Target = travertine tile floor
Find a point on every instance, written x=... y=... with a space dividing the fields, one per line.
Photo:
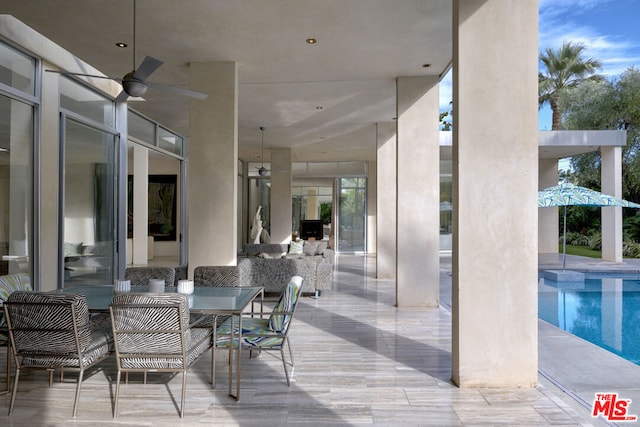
x=360 y=360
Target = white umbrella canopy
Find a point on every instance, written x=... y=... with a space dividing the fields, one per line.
x=573 y=195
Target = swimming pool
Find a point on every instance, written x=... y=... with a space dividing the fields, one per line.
x=604 y=310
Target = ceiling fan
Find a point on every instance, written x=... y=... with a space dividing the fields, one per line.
x=135 y=83
x=262 y=171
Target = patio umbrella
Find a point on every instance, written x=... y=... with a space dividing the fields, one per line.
x=573 y=195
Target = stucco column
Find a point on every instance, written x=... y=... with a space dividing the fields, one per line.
x=281 y=211
x=140 y=204
x=495 y=183
x=548 y=217
x=48 y=258
x=386 y=201
x=611 y=170
x=213 y=165
x=418 y=192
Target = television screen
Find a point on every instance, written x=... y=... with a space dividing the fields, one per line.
x=311 y=228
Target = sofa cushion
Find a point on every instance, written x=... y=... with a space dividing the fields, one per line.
x=310 y=248
x=296 y=247
x=322 y=246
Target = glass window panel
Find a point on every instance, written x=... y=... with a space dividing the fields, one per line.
x=17 y=70
x=141 y=128
x=89 y=205
x=170 y=141
x=81 y=100
x=352 y=215
x=16 y=186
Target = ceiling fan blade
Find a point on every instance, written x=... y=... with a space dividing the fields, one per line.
x=66 y=73
x=179 y=90
x=147 y=67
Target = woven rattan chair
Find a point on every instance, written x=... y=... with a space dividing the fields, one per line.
x=51 y=331
x=140 y=276
x=9 y=284
x=269 y=333
x=152 y=334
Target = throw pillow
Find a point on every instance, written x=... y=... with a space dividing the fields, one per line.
x=295 y=247
x=322 y=246
x=310 y=248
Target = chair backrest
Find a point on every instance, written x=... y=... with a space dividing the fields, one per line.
x=48 y=323
x=140 y=276
x=145 y=325
x=216 y=276
x=286 y=304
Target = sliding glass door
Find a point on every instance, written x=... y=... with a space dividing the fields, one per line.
x=89 y=205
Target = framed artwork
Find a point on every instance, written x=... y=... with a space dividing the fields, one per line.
x=162 y=207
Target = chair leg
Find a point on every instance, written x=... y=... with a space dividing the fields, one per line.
x=78 y=387
x=284 y=363
x=9 y=355
x=115 y=404
x=290 y=352
x=184 y=390
x=15 y=389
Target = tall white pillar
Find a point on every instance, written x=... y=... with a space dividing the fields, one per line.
x=386 y=201
x=213 y=165
x=49 y=191
x=281 y=211
x=495 y=183
x=140 y=204
x=548 y=217
x=611 y=177
x=372 y=203
x=418 y=192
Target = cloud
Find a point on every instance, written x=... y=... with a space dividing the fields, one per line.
x=568 y=20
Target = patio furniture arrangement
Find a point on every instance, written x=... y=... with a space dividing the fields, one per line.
x=264 y=333
x=152 y=333
x=52 y=332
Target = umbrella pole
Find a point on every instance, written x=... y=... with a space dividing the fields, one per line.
x=564 y=240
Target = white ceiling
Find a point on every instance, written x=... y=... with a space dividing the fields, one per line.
x=363 y=45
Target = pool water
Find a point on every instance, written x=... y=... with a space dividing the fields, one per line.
x=604 y=310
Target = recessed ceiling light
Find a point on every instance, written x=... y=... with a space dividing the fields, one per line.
x=426 y=65
x=322 y=138
x=319 y=107
x=311 y=40
x=120 y=44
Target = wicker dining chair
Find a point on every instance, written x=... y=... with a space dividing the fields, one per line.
x=50 y=331
x=140 y=276
x=8 y=284
x=266 y=333
x=152 y=334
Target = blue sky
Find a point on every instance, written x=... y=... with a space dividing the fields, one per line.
x=609 y=30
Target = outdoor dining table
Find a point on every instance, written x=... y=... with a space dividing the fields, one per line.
x=204 y=300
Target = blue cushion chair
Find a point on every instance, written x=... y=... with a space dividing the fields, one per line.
x=266 y=333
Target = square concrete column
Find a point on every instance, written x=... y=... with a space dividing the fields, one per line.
x=386 y=201
x=495 y=183
x=213 y=165
x=418 y=192
x=548 y=217
x=281 y=211
x=611 y=178
x=372 y=203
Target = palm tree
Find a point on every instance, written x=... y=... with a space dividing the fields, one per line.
x=563 y=69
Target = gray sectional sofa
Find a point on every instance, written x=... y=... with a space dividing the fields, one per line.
x=272 y=266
